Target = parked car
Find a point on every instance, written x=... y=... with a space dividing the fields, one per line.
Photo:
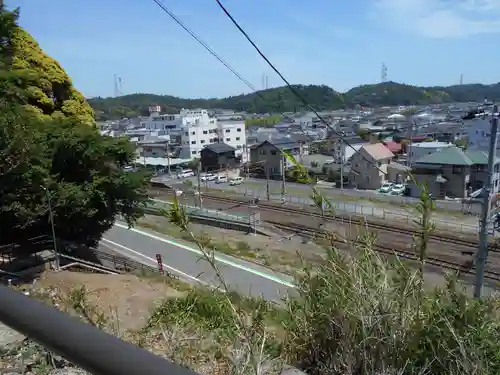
x=186 y=173
x=221 y=179
x=236 y=181
x=386 y=187
x=398 y=189
x=208 y=177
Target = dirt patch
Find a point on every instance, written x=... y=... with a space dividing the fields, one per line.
x=126 y=298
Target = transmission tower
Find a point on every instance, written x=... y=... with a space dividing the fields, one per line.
x=384 y=73
x=118 y=86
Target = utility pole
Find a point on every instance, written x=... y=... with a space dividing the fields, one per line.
x=51 y=216
x=168 y=157
x=482 y=253
x=342 y=161
x=283 y=177
x=199 y=183
x=408 y=151
x=266 y=165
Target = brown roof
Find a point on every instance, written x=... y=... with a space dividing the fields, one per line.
x=393 y=146
x=378 y=151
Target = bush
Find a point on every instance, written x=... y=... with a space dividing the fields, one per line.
x=361 y=314
x=369 y=316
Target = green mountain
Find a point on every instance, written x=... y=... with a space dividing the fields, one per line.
x=281 y=99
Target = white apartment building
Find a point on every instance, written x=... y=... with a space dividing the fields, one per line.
x=197 y=136
x=167 y=122
x=198 y=129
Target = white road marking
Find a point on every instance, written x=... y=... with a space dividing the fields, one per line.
x=217 y=258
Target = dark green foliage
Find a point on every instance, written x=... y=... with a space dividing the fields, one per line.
x=48 y=144
x=277 y=100
x=82 y=170
x=281 y=99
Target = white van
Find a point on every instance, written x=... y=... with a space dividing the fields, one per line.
x=186 y=173
x=221 y=179
x=236 y=181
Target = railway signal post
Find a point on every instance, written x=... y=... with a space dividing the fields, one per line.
x=482 y=252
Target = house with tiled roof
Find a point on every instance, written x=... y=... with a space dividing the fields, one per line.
x=452 y=172
x=369 y=166
x=269 y=155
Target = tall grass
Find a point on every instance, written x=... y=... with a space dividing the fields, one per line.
x=356 y=314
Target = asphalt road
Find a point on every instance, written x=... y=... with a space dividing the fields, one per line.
x=244 y=277
x=186 y=261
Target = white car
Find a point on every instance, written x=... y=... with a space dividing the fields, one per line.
x=398 y=189
x=221 y=179
x=236 y=181
x=386 y=187
x=208 y=177
x=186 y=173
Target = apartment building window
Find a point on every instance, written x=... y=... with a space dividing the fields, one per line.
x=193 y=152
x=193 y=142
x=228 y=139
x=457 y=169
x=186 y=134
x=262 y=152
x=202 y=141
x=237 y=138
x=205 y=132
x=238 y=130
x=228 y=130
x=273 y=152
x=193 y=133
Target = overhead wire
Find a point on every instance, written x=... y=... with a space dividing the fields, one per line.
x=252 y=87
x=221 y=59
x=291 y=88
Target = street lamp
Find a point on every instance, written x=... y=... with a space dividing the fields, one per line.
x=54 y=239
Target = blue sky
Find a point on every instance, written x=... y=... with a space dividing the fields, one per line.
x=338 y=43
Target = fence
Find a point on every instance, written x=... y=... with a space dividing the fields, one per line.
x=82 y=344
x=351 y=208
x=213 y=214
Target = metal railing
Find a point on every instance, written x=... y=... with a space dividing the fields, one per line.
x=82 y=344
x=356 y=209
x=205 y=212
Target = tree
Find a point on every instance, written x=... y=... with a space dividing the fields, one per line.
x=50 y=150
x=80 y=169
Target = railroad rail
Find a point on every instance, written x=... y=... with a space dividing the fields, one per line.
x=441 y=237
x=466 y=267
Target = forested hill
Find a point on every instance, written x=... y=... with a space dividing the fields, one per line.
x=281 y=99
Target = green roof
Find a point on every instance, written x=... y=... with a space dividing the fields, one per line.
x=447 y=156
x=480 y=157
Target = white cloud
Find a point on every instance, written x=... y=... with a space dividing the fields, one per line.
x=441 y=18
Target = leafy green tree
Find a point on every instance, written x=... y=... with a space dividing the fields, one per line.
x=80 y=169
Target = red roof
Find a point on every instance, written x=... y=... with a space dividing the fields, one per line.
x=394 y=147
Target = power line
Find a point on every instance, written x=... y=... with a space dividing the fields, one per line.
x=290 y=87
x=205 y=45
x=241 y=78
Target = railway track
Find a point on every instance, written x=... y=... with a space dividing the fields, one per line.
x=464 y=267
x=441 y=237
